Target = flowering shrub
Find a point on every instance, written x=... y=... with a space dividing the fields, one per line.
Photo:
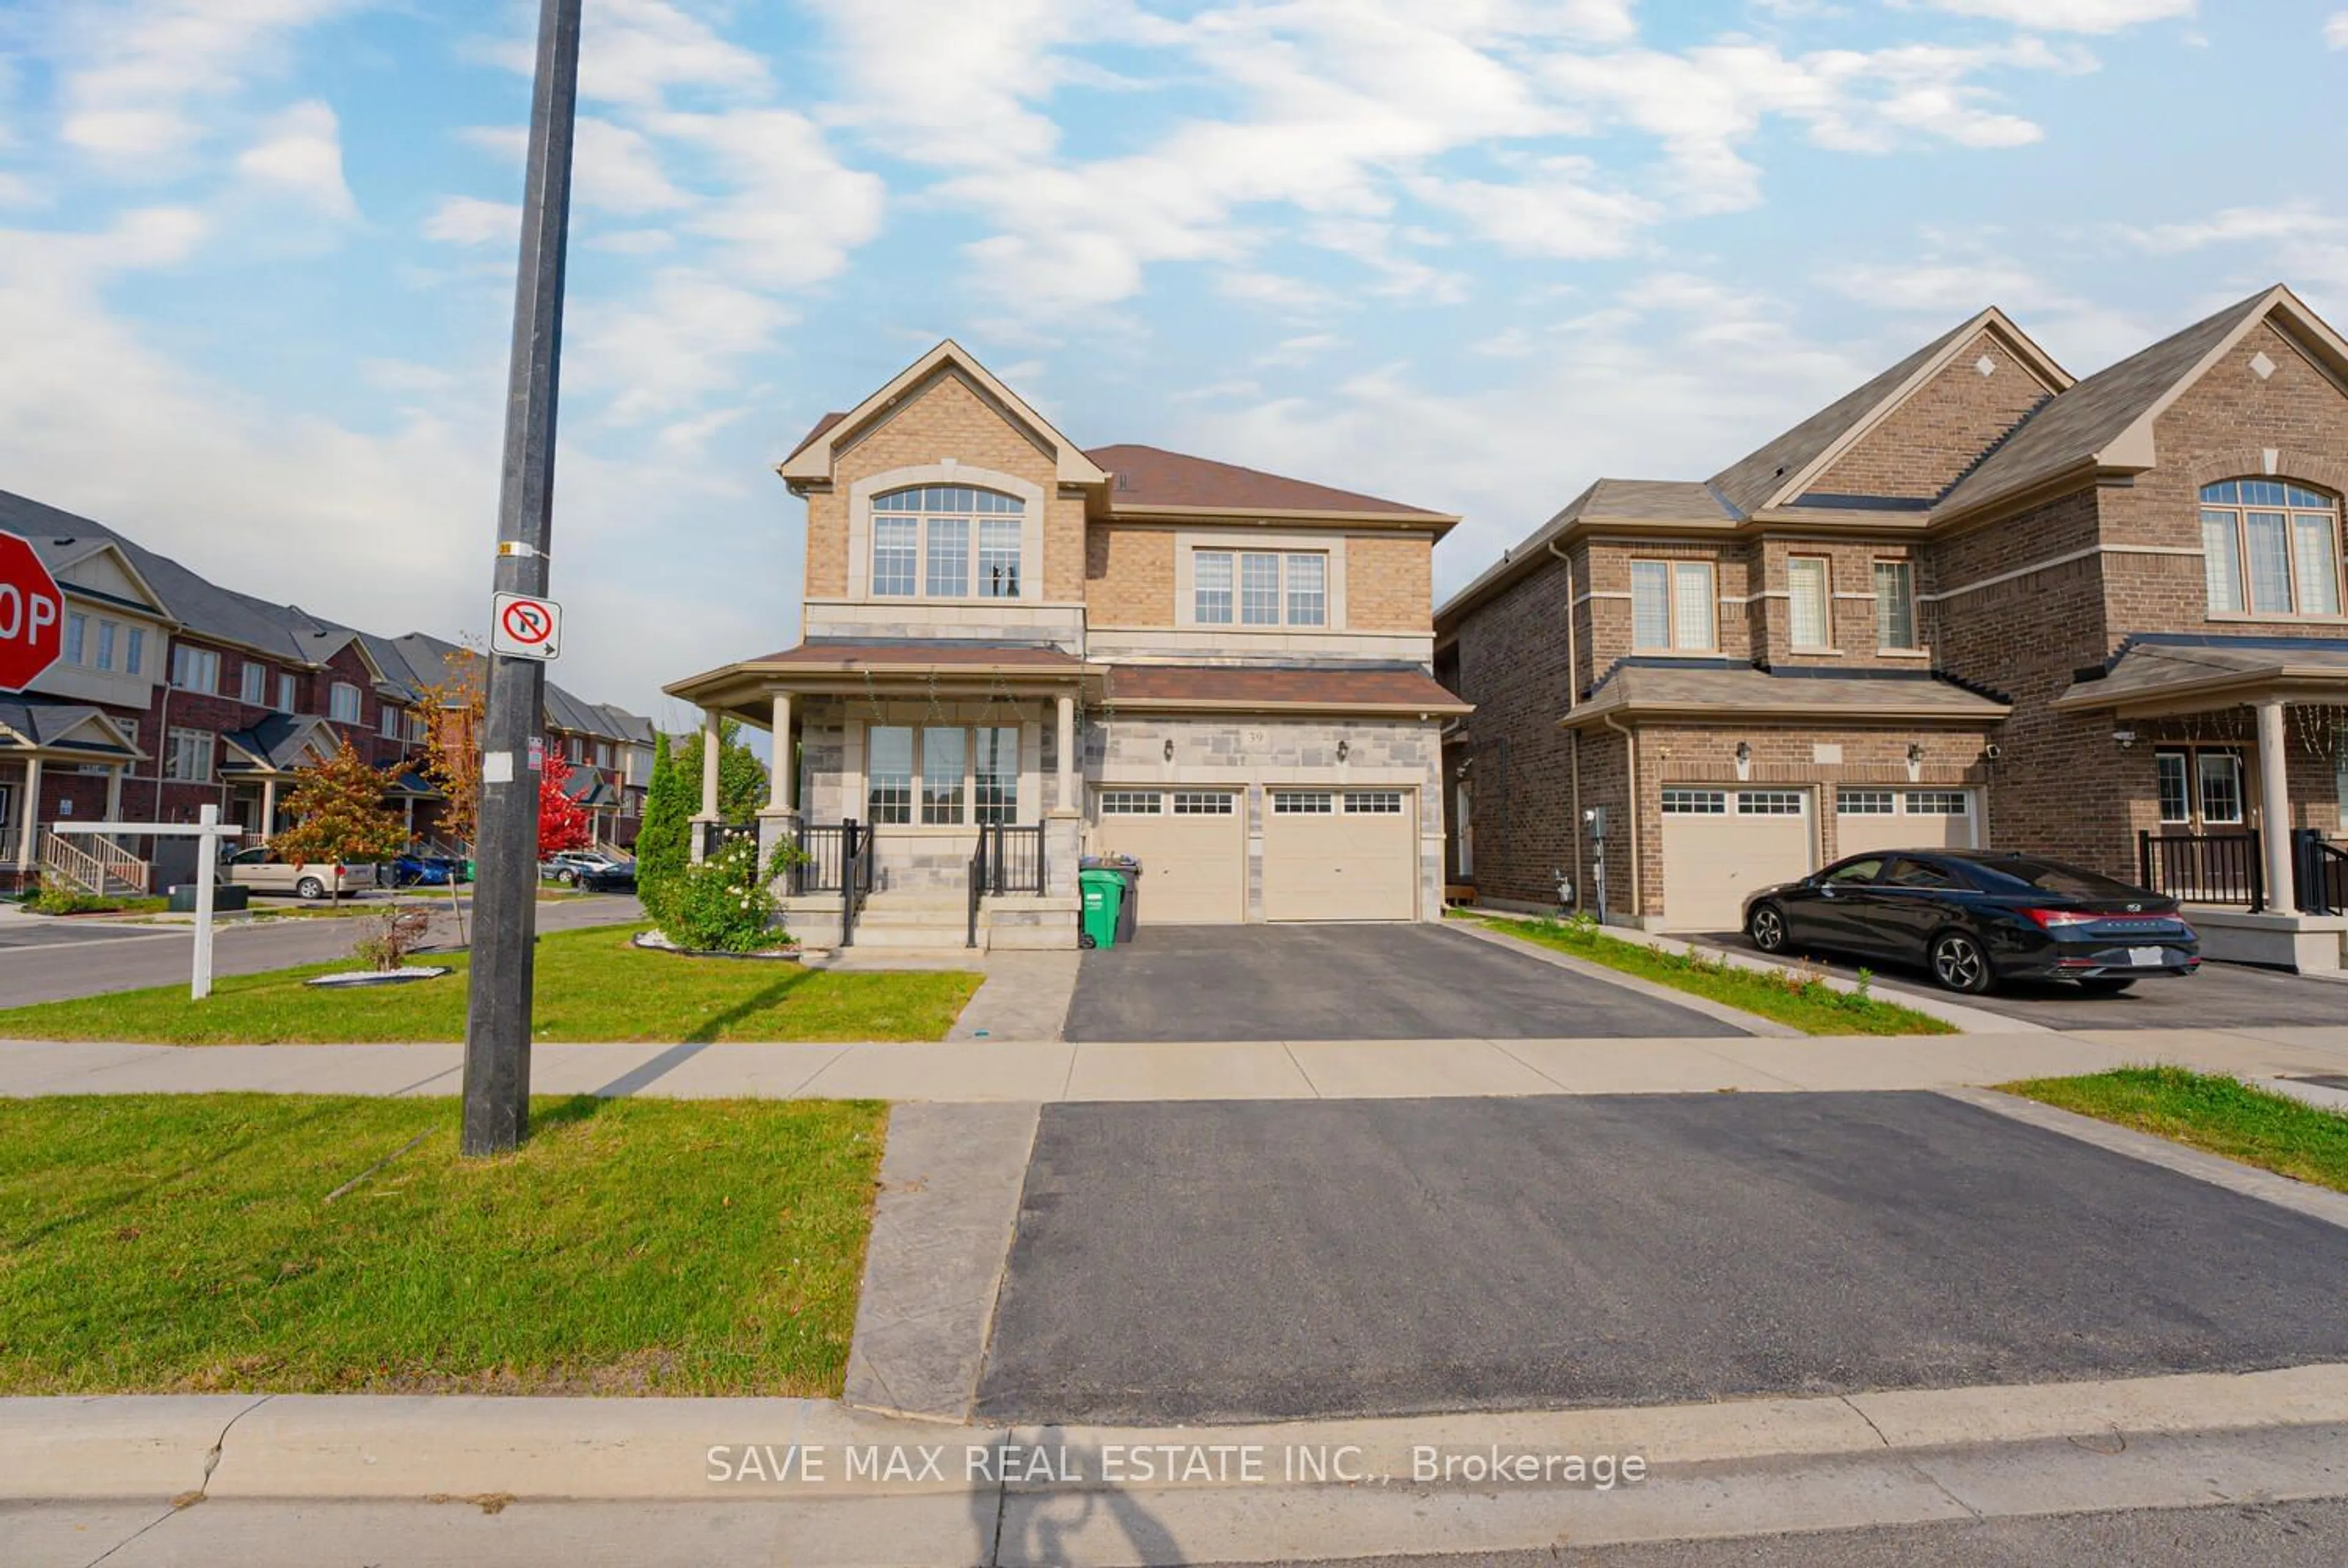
x=726 y=903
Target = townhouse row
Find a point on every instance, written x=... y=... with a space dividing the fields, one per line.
x=1976 y=601
x=174 y=694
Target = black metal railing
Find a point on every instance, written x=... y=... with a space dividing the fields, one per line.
x=838 y=859
x=2204 y=868
x=2319 y=873
x=1009 y=859
x=715 y=835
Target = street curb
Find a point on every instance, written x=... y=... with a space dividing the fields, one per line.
x=413 y=1447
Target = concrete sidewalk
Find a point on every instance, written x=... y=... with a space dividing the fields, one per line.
x=313 y=1479
x=1050 y=1071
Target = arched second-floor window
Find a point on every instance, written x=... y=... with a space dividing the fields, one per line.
x=947 y=541
x=2270 y=547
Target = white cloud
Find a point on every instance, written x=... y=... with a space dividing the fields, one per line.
x=131 y=67
x=641 y=53
x=615 y=170
x=1555 y=213
x=301 y=153
x=469 y=220
x=2335 y=30
x=1300 y=350
x=2235 y=225
x=2071 y=15
x=794 y=211
x=690 y=337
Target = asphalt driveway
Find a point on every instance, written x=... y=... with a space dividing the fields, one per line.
x=1416 y=981
x=2217 y=995
x=1229 y=1261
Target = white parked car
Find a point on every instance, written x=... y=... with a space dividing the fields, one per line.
x=304 y=879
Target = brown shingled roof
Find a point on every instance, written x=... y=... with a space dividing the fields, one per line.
x=809 y=440
x=1141 y=478
x=1749 y=693
x=1246 y=687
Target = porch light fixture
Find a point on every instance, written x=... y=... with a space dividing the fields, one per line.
x=1169 y=748
x=1344 y=747
x=1744 y=751
x=2124 y=739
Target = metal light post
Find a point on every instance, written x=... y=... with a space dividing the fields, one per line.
x=505 y=898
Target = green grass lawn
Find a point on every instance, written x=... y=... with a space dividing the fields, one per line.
x=592 y=986
x=2209 y=1111
x=167 y=1243
x=1789 y=996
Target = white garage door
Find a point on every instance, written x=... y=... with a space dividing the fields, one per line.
x=1192 y=851
x=1722 y=844
x=1871 y=819
x=1340 y=855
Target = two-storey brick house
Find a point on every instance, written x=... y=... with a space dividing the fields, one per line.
x=1221 y=672
x=1974 y=601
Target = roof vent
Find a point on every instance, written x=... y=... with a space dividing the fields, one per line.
x=2260 y=365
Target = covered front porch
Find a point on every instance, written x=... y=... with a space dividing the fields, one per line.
x=932 y=788
x=63 y=762
x=2238 y=751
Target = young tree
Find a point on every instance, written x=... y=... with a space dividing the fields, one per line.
x=339 y=813
x=452 y=708
x=741 y=781
x=562 y=823
x=663 y=840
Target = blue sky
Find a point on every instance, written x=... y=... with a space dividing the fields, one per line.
x=256 y=255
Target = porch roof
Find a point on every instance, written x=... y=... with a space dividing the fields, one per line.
x=1233 y=688
x=2159 y=673
x=824 y=665
x=31 y=723
x=1718 y=692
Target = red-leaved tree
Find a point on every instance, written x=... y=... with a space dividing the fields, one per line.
x=562 y=823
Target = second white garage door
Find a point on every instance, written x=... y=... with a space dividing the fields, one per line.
x=1721 y=845
x=1340 y=854
x=1192 y=851
x=1871 y=819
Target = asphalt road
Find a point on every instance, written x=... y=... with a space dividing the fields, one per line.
x=1226 y=1261
x=1418 y=981
x=2260 y=1536
x=2218 y=996
x=51 y=960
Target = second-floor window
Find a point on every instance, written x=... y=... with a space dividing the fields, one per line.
x=1808 y=594
x=77 y=638
x=188 y=756
x=1895 y=605
x=2270 y=547
x=390 y=724
x=255 y=678
x=286 y=693
x=195 y=669
x=134 y=651
x=343 y=704
x=947 y=541
x=1259 y=588
x=1671 y=606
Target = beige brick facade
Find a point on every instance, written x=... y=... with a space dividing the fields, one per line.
x=1389 y=582
x=1130 y=575
x=1920 y=448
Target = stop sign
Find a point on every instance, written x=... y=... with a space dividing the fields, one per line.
x=32 y=615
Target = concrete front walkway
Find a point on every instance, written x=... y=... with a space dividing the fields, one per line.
x=1049 y=1070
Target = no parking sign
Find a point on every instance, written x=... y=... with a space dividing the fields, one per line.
x=525 y=627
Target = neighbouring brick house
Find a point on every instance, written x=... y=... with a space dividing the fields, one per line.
x=1219 y=671
x=1974 y=601
x=174 y=694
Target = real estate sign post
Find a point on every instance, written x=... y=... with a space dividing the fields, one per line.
x=505 y=897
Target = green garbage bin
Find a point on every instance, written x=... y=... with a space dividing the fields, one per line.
x=1104 y=897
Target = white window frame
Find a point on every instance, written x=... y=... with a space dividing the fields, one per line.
x=1939 y=802
x=134 y=650
x=1374 y=803
x=1193 y=547
x=1130 y=803
x=75 y=648
x=252 y=684
x=1866 y=802
x=289 y=693
x=1303 y=803
x=1681 y=802
x=1689 y=586
x=1821 y=568
x=388 y=723
x=183 y=748
x=2307 y=513
x=1906 y=572
x=336 y=705
x=195 y=669
x=109 y=636
x=1023 y=517
x=1205 y=803
x=971 y=806
x=1772 y=803
x=1285 y=589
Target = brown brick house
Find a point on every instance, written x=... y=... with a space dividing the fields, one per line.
x=1017 y=648
x=1974 y=601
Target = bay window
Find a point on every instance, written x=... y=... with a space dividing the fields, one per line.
x=963 y=775
x=2270 y=547
x=947 y=541
x=1672 y=605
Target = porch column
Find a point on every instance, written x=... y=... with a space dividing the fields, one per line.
x=114 y=792
x=28 y=846
x=783 y=791
x=2274 y=809
x=712 y=739
x=268 y=808
x=1067 y=742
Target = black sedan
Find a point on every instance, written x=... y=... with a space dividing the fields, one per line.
x=1975 y=918
x=620 y=877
